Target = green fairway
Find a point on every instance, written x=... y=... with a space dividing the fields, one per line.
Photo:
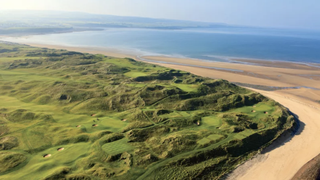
x=117 y=147
x=38 y=167
x=212 y=121
x=209 y=139
x=187 y=87
x=135 y=74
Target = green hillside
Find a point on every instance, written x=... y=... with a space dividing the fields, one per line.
x=69 y=115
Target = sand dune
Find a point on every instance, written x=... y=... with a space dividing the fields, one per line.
x=287 y=156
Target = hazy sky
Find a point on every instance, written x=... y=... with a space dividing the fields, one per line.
x=272 y=13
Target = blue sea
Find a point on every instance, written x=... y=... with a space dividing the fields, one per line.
x=218 y=44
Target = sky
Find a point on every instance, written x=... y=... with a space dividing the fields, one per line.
x=264 y=13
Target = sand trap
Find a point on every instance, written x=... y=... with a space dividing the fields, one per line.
x=78 y=126
x=266 y=112
x=124 y=120
x=60 y=149
x=93 y=115
x=94 y=125
x=47 y=155
x=253 y=111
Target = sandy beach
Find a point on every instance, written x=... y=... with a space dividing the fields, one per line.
x=288 y=156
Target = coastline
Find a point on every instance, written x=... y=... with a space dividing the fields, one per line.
x=285 y=160
x=274 y=74
x=59 y=31
x=92 y=50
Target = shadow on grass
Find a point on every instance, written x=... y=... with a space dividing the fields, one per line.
x=287 y=136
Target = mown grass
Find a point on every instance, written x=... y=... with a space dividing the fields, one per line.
x=212 y=121
x=117 y=147
x=135 y=74
x=209 y=139
x=187 y=87
x=39 y=167
x=123 y=119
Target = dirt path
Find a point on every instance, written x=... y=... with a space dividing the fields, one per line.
x=288 y=157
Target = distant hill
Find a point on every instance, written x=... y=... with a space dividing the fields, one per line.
x=12 y=22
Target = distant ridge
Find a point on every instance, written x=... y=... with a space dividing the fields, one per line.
x=15 y=18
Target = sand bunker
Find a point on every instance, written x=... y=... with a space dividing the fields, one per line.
x=94 y=125
x=93 y=115
x=124 y=120
x=60 y=149
x=47 y=155
x=266 y=112
x=78 y=126
x=253 y=111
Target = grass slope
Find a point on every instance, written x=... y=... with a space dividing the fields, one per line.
x=123 y=119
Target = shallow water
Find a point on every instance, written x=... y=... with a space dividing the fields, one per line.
x=218 y=44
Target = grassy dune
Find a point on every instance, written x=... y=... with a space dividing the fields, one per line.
x=123 y=119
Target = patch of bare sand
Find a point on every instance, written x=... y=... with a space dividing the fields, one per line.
x=309 y=171
x=310 y=94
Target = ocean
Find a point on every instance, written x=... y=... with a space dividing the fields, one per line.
x=217 y=44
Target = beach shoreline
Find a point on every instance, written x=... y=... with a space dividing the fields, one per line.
x=284 y=161
x=141 y=54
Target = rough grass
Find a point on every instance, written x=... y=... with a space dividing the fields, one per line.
x=123 y=119
x=10 y=160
